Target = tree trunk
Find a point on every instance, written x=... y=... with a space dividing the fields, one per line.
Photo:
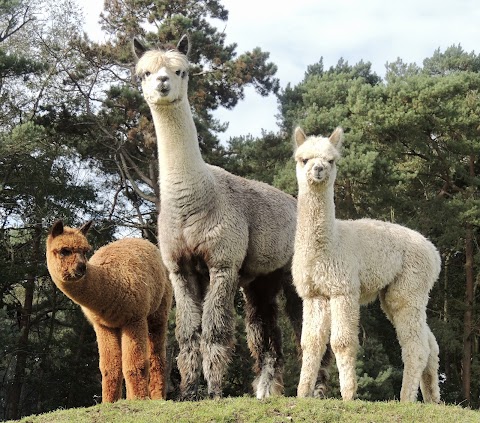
x=349 y=204
x=47 y=346
x=74 y=387
x=15 y=390
x=446 y=316
x=468 y=315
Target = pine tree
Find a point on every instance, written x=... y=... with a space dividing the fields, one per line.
x=122 y=129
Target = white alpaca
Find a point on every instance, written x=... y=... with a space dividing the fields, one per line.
x=338 y=265
x=216 y=231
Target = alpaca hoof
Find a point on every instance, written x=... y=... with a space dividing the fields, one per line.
x=189 y=395
x=215 y=395
x=303 y=391
x=263 y=392
x=274 y=388
x=320 y=391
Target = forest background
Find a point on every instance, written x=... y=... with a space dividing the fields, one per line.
x=77 y=143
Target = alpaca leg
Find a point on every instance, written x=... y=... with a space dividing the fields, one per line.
x=293 y=309
x=135 y=364
x=429 y=381
x=217 y=327
x=263 y=334
x=345 y=312
x=187 y=332
x=315 y=333
x=413 y=339
x=109 y=350
x=157 y=339
x=413 y=335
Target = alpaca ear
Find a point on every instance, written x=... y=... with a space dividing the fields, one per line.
x=183 y=45
x=299 y=136
x=85 y=228
x=138 y=48
x=57 y=229
x=337 y=138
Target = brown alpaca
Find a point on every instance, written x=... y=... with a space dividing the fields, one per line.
x=124 y=291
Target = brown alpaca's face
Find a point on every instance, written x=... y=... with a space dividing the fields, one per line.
x=67 y=255
x=71 y=262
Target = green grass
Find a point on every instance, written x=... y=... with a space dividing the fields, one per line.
x=275 y=410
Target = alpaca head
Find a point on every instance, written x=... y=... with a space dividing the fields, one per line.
x=67 y=253
x=163 y=72
x=316 y=157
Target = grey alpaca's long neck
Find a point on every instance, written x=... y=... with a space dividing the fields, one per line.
x=180 y=160
x=316 y=215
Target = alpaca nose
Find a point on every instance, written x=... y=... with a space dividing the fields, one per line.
x=317 y=168
x=164 y=85
x=81 y=268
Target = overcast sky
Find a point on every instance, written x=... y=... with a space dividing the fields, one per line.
x=300 y=32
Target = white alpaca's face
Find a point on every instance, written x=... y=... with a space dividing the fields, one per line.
x=316 y=158
x=164 y=77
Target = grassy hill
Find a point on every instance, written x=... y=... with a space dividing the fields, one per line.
x=244 y=410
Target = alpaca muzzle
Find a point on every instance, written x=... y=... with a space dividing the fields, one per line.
x=164 y=85
x=76 y=273
x=317 y=173
x=163 y=89
x=81 y=269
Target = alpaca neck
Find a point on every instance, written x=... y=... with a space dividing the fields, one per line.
x=316 y=215
x=92 y=291
x=178 y=150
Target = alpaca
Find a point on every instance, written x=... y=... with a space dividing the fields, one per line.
x=338 y=265
x=216 y=231
x=125 y=293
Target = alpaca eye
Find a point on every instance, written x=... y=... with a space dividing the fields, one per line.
x=65 y=252
x=178 y=72
x=331 y=161
x=305 y=161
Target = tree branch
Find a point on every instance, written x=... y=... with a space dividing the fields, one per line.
x=142 y=176
x=126 y=176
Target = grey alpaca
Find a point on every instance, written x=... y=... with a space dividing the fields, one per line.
x=217 y=232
